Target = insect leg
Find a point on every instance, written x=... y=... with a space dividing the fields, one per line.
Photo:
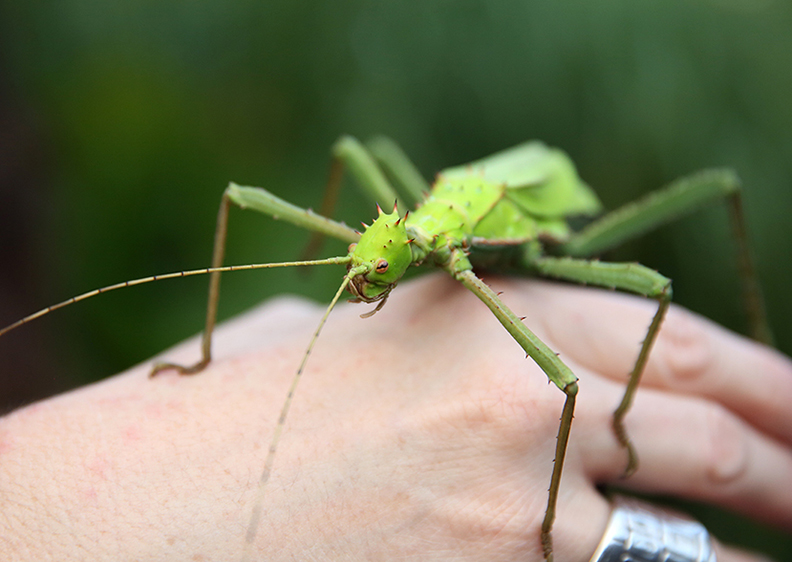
x=632 y=277
x=399 y=168
x=348 y=152
x=218 y=251
x=261 y=200
x=556 y=371
x=675 y=200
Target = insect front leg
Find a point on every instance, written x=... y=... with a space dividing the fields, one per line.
x=632 y=277
x=348 y=152
x=218 y=252
x=261 y=200
x=399 y=168
x=556 y=371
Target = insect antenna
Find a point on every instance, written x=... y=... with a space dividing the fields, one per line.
x=188 y=273
x=255 y=516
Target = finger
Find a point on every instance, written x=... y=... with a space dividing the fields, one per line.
x=693 y=448
x=695 y=356
x=691 y=355
x=727 y=553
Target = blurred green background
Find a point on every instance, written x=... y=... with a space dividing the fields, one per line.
x=122 y=122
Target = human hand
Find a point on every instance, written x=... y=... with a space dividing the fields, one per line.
x=422 y=433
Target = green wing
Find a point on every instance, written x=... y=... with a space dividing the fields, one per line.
x=541 y=180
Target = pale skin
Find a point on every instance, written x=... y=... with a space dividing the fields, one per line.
x=421 y=433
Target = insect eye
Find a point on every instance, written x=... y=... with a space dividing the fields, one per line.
x=382 y=266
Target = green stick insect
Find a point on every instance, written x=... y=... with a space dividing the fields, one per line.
x=507 y=211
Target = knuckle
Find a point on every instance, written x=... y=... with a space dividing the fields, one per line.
x=727 y=447
x=685 y=353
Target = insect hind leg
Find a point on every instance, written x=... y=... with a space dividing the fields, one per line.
x=677 y=199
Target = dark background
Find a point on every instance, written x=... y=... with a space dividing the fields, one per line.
x=122 y=122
